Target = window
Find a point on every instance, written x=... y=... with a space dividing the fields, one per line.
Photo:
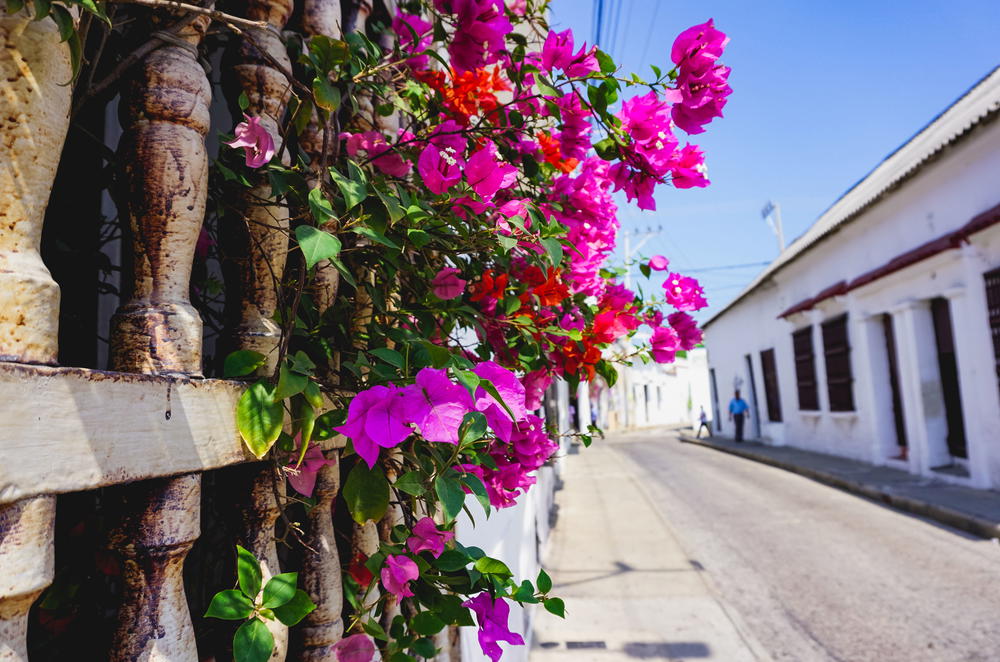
x=771 y=385
x=837 y=352
x=993 y=307
x=805 y=369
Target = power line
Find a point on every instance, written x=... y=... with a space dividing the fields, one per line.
x=729 y=266
x=649 y=32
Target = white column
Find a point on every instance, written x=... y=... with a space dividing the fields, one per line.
x=872 y=390
x=817 y=316
x=583 y=406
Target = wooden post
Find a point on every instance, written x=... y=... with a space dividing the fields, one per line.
x=34 y=118
x=262 y=234
x=165 y=119
x=320 y=576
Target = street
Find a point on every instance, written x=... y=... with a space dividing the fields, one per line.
x=743 y=561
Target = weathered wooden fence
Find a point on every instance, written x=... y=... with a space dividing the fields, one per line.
x=147 y=430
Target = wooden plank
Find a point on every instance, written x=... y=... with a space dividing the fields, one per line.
x=71 y=429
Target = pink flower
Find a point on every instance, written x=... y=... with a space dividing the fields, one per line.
x=438 y=405
x=647 y=120
x=405 y=26
x=658 y=263
x=688 y=169
x=377 y=417
x=535 y=384
x=698 y=47
x=257 y=144
x=303 y=479
x=574 y=138
x=687 y=330
x=684 y=292
x=702 y=85
x=557 y=53
x=427 y=537
x=665 y=344
x=486 y=174
x=481 y=27
x=532 y=444
x=397 y=574
x=355 y=648
x=517 y=7
x=447 y=284
x=511 y=391
x=440 y=168
x=382 y=155
x=493 y=617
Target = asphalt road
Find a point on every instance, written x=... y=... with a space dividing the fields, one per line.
x=814 y=574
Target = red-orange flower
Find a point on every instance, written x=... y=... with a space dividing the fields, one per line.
x=553 y=154
x=468 y=93
x=489 y=286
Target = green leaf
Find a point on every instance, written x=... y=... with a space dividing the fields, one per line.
x=313 y=395
x=390 y=356
x=473 y=482
x=450 y=493
x=295 y=609
x=392 y=206
x=488 y=386
x=451 y=560
x=553 y=247
x=259 y=417
x=473 y=427
x=555 y=606
x=427 y=624
x=230 y=605
x=525 y=593
x=545 y=88
x=418 y=238
x=304 y=421
x=242 y=362
x=425 y=648
x=280 y=589
x=469 y=380
x=645 y=269
x=366 y=231
x=289 y=383
x=248 y=572
x=374 y=629
x=605 y=62
x=42 y=8
x=491 y=566
x=412 y=482
x=507 y=243
x=64 y=20
x=253 y=642
x=14 y=6
x=354 y=192
x=302 y=364
x=326 y=95
x=544 y=582
x=366 y=493
x=322 y=210
x=316 y=244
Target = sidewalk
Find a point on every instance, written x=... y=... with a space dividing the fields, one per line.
x=631 y=591
x=971 y=510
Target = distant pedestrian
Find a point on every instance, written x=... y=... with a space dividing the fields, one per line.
x=703 y=419
x=739 y=411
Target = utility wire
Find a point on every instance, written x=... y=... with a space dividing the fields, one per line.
x=649 y=32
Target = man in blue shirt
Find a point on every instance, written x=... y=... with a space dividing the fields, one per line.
x=739 y=411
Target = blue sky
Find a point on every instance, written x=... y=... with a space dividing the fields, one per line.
x=822 y=92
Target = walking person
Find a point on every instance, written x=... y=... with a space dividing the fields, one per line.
x=739 y=411
x=703 y=418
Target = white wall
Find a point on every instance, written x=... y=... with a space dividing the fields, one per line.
x=944 y=196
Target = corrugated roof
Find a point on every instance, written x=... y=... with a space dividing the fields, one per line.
x=982 y=101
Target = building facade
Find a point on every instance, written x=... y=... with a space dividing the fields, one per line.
x=876 y=334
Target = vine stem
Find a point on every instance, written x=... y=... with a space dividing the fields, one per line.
x=195 y=9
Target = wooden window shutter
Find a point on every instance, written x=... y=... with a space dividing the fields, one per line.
x=771 y=393
x=805 y=369
x=837 y=352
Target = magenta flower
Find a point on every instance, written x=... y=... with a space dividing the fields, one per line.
x=397 y=574
x=687 y=330
x=684 y=292
x=257 y=144
x=658 y=263
x=698 y=47
x=440 y=168
x=428 y=538
x=574 y=138
x=486 y=174
x=702 y=85
x=532 y=444
x=493 y=627
x=447 y=284
x=381 y=153
x=405 y=26
x=481 y=27
x=557 y=53
x=647 y=120
x=535 y=384
x=355 y=648
x=303 y=479
x=378 y=417
x=438 y=405
x=511 y=391
x=665 y=344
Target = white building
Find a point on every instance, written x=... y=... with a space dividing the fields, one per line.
x=876 y=334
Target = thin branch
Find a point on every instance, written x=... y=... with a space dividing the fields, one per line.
x=215 y=14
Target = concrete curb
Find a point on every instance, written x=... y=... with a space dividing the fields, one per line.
x=962 y=521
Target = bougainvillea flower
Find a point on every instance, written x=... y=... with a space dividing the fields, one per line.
x=440 y=168
x=489 y=287
x=687 y=330
x=665 y=344
x=535 y=383
x=355 y=648
x=447 y=284
x=703 y=96
x=358 y=571
x=647 y=119
x=698 y=47
x=532 y=444
x=428 y=538
x=511 y=392
x=684 y=292
x=481 y=27
x=574 y=138
x=377 y=417
x=406 y=26
x=557 y=53
x=397 y=574
x=381 y=153
x=303 y=479
x=493 y=617
x=257 y=144
x=486 y=174
x=438 y=405
x=658 y=263
x=552 y=153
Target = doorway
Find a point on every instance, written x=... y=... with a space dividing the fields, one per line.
x=948 y=365
x=753 y=397
x=897 y=399
x=715 y=401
